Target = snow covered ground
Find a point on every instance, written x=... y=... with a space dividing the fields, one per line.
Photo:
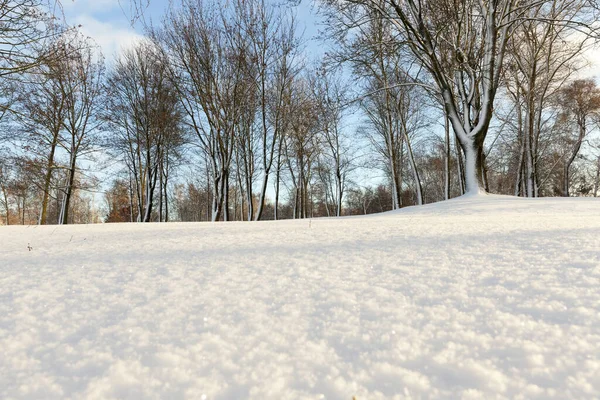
x=484 y=297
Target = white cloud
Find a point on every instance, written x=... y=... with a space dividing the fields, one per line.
x=593 y=57
x=109 y=36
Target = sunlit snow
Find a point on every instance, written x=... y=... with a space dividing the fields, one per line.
x=484 y=297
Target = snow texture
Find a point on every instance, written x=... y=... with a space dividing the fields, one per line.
x=480 y=297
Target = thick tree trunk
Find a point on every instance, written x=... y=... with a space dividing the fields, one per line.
x=473 y=167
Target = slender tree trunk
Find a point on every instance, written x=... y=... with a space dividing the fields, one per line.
x=276 y=205
x=226 y=196
x=575 y=151
x=48 y=179
x=484 y=172
x=520 y=168
x=217 y=200
x=64 y=214
x=459 y=167
x=596 y=182
x=166 y=182
x=160 y=196
x=130 y=191
x=529 y=156
x=566 y=180
x=415 y=171
x=150 y=187
x=340 y=193
x=447 y=158
x=263 y=193
x=396 y=195
x=277 y=181
x=7 y=209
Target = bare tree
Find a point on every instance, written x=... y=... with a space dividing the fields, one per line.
x=335 y=157
x=40 y=111
x=462 y=45
x=302 y=146
x=211 y=79
x=580 y=101
x=145 y=116
x=542 y=56
x=82 y=88
x=25 y=28
x=273 y=45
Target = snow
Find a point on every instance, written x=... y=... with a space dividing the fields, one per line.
x=479 y=297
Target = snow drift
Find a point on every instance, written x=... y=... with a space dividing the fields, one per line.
x=482 y=297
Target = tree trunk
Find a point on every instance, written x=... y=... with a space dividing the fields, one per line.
x=576 y=148
x=447 y=159
x=150 y=186
x=339 y=194
x=48 y=180
x=520 y=168
x=459 y=167
x=160 y=196
x=217 y=200
x=261 y=201
x=597 y=181
x=226 y=196
x=396 y=185
x=7 y=209
x=473 y=166
x=566 y=180
x=64 y=213
x=415 y=171
x=276 y=205
x=166 y=182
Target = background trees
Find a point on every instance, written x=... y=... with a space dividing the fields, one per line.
x=145 y=118
x=462 y=46
x=221 y=114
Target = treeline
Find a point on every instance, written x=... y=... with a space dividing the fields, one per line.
x=221 y=114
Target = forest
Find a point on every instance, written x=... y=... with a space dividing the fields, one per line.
x=223 y=112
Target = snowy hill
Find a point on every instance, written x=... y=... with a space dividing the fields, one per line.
x=483 y=297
